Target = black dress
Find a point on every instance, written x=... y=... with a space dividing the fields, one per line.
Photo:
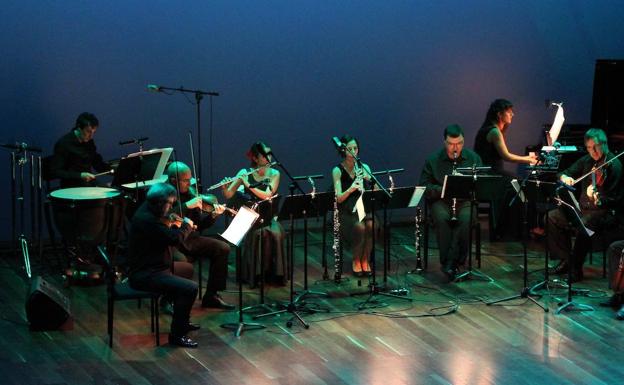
x=267 y=235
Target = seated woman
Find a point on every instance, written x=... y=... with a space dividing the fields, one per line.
x=255 y=184
x=491 y=146
x=349 y=179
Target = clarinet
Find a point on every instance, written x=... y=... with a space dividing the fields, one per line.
x=336 y=245
x=417 y=239
x=454 y=204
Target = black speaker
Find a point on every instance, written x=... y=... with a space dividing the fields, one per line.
x=46 y=307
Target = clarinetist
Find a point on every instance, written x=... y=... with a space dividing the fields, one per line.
x=451 y=217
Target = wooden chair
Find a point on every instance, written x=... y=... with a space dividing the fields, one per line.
x=121 y=291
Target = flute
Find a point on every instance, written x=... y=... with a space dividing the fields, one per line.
x=224 y=182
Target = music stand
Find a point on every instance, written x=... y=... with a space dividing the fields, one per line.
x=472 y=187
x=402 y=197
x=300 y=207
x=234 y=234
x=524 y=192
x=370 y=199
x=142 y=168
x=266 y=209
x=573 y=214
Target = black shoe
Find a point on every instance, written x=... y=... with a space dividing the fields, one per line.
x=619 y=315
x=615 y=301
x=191 y=327
x=561 y=268
x=215 y=301
x=182 y=341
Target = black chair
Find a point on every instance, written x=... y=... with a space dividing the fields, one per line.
x=121 y=291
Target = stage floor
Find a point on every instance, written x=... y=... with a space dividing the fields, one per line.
x=445 y=335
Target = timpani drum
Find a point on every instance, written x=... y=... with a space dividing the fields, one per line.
x=91 y=215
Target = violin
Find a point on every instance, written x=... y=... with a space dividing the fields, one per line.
x=174 y=220
x=209 y=202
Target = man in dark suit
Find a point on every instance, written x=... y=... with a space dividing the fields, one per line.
x=151 y=239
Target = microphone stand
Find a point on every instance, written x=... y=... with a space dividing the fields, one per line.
x=199 y=95
x=373 y=289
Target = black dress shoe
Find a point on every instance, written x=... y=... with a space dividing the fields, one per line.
x=561 y=268
x=615 y=301
x=215 y=301
x=182 y=341
x=191 y=327
x=619 y=315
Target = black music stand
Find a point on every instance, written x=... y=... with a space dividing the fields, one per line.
x=402 y=197
x=472 y=187
x=525 y=192
x=574 y=216
x=266 y=209
x=301 y=207
x=234 y=234
x=370 y=199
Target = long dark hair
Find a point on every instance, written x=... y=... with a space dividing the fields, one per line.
x=497 y=106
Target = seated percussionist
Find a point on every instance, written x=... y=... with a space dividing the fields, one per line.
x=197 y=245
x=75 y=155
x=149 y=258
x=600 y=203
x=451 y=219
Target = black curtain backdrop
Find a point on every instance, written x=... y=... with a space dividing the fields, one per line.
x=296 y=73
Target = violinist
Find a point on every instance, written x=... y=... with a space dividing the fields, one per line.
x=255 y=184
x=600 y=201
x=203 y=210
x=149 y=258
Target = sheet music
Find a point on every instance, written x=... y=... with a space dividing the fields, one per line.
x=240 y=225
x=417 y=195
x=359 y=207
x=516 y=186
x=555 y=129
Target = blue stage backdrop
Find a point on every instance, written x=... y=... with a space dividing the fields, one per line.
x=296 y=73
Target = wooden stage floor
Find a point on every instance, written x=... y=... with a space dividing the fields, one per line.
x=445 y=335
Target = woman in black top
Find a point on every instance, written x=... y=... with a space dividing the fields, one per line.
x=349 y=179
x=491 y=146
x=261 y=184
x=490 y=141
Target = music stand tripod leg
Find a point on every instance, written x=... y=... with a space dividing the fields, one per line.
x=570 y=304
x=240 y=326
x=526 y=291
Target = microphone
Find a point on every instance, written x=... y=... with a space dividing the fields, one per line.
x=132 y=141
x=153 y=88
x=339 y=145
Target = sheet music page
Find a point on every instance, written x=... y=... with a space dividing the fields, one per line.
x=516 y=186
x=240 y=225
x=444 y=186
x=416 y=196
x=359 y=207
x=555 y=129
